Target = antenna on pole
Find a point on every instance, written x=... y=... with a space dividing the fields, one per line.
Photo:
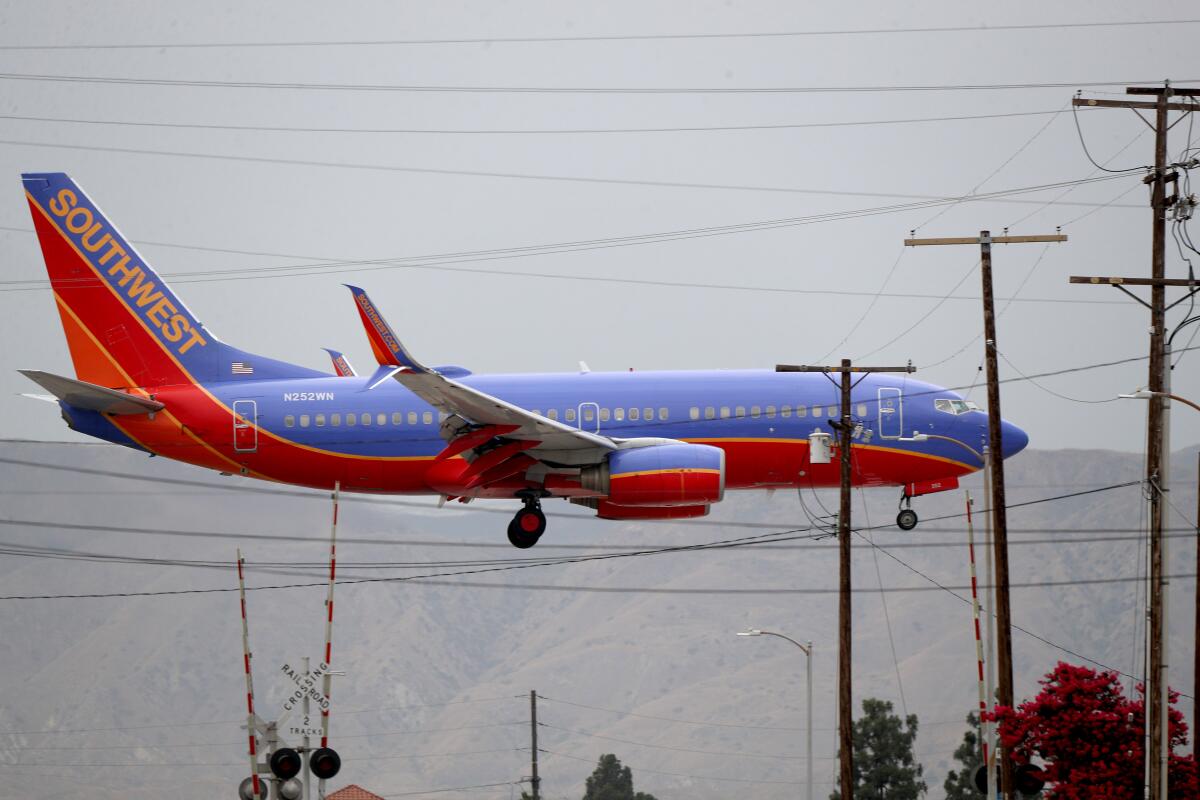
x=251 y=717
x=326 y=680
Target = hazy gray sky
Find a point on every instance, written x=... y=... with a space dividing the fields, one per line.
x=400 y=194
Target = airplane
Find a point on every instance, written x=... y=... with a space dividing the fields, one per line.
x=341 y=364
x=636 y=445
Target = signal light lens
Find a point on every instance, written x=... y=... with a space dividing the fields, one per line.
x=291 y=789
x=246 y=790
x=324 y=763
x=285 y=763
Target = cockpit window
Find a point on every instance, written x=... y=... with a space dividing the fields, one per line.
x=956 y=407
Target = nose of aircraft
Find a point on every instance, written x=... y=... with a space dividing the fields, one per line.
x=1012 y=438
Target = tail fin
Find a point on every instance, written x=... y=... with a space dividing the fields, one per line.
x=124 y=325
x=341 y=364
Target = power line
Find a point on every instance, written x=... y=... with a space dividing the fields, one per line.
x=653 y=37
x=439 y=262
x=520 y=131
x=117 y=80
x=952 y=591
x=922 y=200
x=375 y=709
x=587 y=588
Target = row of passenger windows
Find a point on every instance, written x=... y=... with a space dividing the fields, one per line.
x=365 y=418
x=588 y=413
x=739 y=412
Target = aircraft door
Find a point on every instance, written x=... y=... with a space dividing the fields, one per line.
x=589 y=417
x=891 y=414
x=245 y=426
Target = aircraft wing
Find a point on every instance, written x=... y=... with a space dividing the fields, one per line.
x=475 y=407
x=90 y=396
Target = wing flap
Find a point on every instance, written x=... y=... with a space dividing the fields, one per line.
x=81 y=394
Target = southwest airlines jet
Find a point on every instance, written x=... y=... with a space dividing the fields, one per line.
x=630 y=445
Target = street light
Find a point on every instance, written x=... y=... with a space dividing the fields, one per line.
x=808 y=650
x=1145 y=394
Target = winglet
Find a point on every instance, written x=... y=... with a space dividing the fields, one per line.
x=384 y=342
x=341 y=364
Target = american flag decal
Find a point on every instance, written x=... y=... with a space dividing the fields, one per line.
x=241 y=368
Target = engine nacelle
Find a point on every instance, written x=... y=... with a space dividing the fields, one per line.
x=664 y=475
x=606 y=510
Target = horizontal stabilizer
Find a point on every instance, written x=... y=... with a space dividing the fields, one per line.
x=81 y=394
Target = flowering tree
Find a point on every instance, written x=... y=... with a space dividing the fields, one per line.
x=1089 y=737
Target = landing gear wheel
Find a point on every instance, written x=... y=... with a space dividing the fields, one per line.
x=527 y=527
x=906 y=519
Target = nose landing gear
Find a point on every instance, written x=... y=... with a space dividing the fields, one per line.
x=906 y=520
x=528 y=525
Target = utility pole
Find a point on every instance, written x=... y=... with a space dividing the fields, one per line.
x=1157 y=456
x=985 y=240
x=845 y=429
x=534 y=780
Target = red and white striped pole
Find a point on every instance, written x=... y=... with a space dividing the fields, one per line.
x=978 y=637
x=327 y=680
x=251 y=728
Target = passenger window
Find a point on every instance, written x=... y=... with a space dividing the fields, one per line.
x=786 y=411
x=604 y=415
x=412 y=418
x=647 y=414
x=816 y=411
x=709 y=412
x=694 y=412
x=663 y=413
x=619 y=414
x=289 y=421
x=427 y=417
x=381 y=419
x=320 y=420
x=570 y=415
x=740 y=412
x=755 y=412
x=552 y=413
x=635 y=414
x=366 y=418
x=304 y=420
x=770 y=412
x=589 y=414
x=724 y=412
x=351 y=420
x=862 y=409
x=397 y=418
x=832 y=411
x=335 y=419
x=535 y=411
x=801 y=411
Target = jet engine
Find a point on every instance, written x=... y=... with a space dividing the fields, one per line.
x=658 y=476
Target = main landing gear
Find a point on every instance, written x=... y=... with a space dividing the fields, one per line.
x=528 y=525
x=906 y=520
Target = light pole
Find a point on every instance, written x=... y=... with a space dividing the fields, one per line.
x=987 y=699
x=1144 y=394
x=808 y=650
